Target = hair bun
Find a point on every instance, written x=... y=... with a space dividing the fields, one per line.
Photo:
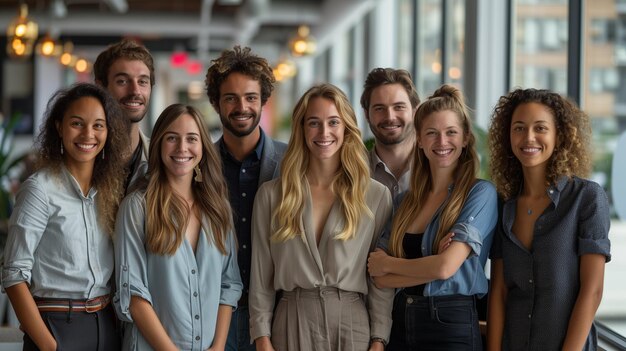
x=449 y=91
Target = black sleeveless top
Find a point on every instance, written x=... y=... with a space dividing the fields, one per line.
x=412 y=244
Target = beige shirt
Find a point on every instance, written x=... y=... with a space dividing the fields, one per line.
x=300 y=263
x=380 y=172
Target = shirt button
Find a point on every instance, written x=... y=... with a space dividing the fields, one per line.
x=125 y=268
x=197 y=338
x=529 y=316
x=125 y=285
x=195 y=294
x=193 y=271
x=244 y=246
x=395 y=187
x=243 y=170
x=243 y=219
x=530 y=281
x=243 y=194
x=409 y=300
x=197 y=317
x=551 y=191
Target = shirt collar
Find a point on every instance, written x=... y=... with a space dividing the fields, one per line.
x=258 y=149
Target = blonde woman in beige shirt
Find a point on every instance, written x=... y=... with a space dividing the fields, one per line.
x=312 y=230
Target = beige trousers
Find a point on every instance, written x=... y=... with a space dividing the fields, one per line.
x=324 y=319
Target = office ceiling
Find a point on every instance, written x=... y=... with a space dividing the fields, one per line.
x=202 y=25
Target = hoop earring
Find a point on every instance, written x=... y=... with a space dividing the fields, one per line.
x=61 y=147
x=103 y=153
x=198 y=177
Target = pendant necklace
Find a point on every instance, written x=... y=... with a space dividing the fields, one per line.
x=529 y=211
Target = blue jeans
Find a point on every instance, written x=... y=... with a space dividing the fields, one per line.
x=239 y=331
x=434 y=323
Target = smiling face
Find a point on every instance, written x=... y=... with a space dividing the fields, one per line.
x=129 y=84
x=240 y=104
x=533 y=134
x=442 y=139
x=390 y=115
x=181 y=148
x=323 y=129
x=83 y=132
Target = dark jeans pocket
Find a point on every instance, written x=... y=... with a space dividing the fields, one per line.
x=78 y=333
x=455 y=315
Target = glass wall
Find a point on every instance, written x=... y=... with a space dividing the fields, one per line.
x=539 y=45
x=604 y=99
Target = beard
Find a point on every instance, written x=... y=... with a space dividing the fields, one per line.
x=385 y=139
x=231 y=124
x=132 y=116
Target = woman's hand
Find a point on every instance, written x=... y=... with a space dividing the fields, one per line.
x=377 y=346
x=445 y=243
x=376 y=263
x=263 y=344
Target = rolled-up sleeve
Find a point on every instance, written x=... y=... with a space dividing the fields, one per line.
x=231 y=280
x=130 y=255
x=26 y=226
x=478 y=218
x=593 y=228
x=262 y=291
x=380 y=301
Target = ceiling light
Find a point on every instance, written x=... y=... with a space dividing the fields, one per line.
x=21 y=34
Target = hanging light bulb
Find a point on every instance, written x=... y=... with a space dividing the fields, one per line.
x=48 y=46
x=303 y=43
x=22 y=34
x=67 y=57
x=81 y=65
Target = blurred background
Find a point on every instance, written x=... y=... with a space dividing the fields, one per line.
x=485 y=47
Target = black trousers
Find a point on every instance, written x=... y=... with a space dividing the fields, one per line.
x=80 y=331
x=434 y=323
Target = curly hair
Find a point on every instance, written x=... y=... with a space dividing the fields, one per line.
x=446 y=98
x=127 y=50
x=241 y=61
x=350 y=183
x=571 y=156
x=167 y=213
x=382 y=76
x=109 y=170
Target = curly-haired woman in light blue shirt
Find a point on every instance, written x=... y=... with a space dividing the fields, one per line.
x=58 y=259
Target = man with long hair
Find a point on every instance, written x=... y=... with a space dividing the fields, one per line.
x=238 y=84
x=126 y=70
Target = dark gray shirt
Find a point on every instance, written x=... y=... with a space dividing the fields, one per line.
x=543 y=283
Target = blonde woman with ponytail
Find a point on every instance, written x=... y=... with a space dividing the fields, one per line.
x=177 y=274
x=312 y=230
x=440 y=235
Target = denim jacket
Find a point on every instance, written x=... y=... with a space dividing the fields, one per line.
x=475 y=226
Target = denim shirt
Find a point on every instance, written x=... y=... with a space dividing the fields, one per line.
x=475 y=226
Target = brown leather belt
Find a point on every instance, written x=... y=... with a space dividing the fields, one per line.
x=68 y=305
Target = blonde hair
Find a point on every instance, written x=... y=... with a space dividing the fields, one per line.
x=446 y=98
x=167 y=213
x=350 y=183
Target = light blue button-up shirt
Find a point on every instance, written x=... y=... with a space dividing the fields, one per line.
x=185 y=289
x=475 y=226
x=55 y=243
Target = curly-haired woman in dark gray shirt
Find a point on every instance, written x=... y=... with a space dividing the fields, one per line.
x=549 y=253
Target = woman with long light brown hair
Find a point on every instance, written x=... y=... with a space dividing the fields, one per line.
x=312 y=229
x=177 y=274
x=440 y=274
